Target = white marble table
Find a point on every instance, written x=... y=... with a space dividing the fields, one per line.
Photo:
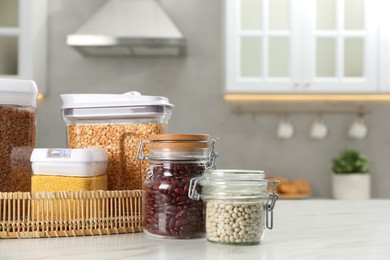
x=307 y=229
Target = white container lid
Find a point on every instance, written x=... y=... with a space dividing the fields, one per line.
x=18 y=92
x=132 y=98
x=86 y=162
x=106 y=105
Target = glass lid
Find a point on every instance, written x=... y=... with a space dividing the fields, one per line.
x=233 y=175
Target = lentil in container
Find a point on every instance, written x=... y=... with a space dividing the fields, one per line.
x=120 y=141
x=117 y=124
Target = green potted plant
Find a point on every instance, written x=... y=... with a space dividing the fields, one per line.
x=351 y=178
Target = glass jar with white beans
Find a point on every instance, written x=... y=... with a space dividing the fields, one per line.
x=238 y=205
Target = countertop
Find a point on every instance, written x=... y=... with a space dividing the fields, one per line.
x=303 y=229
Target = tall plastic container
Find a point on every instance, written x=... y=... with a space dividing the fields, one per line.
x=116 y=123
x=18 y=103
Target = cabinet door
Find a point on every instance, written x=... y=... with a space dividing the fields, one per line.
x=9 y=32
x=384 y=49
x=261 y=36
x=340 y=39
x=302 y=46
x=23 y=40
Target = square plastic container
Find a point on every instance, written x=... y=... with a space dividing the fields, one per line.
x=18 y=103
x=68 y=170
x=116 y=123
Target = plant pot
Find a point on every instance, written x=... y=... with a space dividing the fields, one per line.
x=351 y=186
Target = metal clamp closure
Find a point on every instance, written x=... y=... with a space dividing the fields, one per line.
x=213 y=155
x=270 y=204
x=192 y=193
x=140 y=154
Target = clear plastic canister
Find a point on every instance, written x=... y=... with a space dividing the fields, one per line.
x=18 y=103
x=58 y=169
x=237 y=203
x=174 y=160
x=116 y=123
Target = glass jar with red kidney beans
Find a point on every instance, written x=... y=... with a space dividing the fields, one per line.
x=174 y=160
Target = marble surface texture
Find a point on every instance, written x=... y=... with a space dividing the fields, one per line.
x=306 y=229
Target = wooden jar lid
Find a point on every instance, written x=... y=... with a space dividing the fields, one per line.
x=179 y=141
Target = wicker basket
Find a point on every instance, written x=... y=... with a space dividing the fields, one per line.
x=62 y=214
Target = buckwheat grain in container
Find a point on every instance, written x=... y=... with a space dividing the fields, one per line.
x=237 y=203
x=116 y=123
x=18 y=103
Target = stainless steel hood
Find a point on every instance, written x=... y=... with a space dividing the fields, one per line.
x=129 y=28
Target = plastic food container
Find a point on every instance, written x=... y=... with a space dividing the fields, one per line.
x=174 y=160
x=68 y=170
x=18 y=102
x=238 y=205
x=116 y=123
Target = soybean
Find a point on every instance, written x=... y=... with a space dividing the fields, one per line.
x=224 y=227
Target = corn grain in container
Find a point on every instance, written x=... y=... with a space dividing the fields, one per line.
x=116 y=123
x=68 y=170
x=18 y=104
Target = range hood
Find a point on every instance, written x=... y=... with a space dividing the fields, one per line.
x=129 y=28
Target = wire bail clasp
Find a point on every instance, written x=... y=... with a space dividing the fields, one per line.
x=213 y=155
x=192 y=192
x=270 y=204
x=140 y=154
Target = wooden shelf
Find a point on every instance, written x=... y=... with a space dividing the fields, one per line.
x=385 y=97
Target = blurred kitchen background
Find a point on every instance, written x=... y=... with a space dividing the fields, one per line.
x=195 y=83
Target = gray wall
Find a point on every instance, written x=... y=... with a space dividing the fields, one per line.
x=195 y=84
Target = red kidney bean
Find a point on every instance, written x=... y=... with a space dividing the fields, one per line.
x=181 y=222
x=171 y=208
x=169 y=212
x=149 y=211
x=173 y=185
x=181 y=198
x=171 y=224
x=166 y=197
x=173 y=232
x=181 y=214
x=180 y=191
x=186 y=228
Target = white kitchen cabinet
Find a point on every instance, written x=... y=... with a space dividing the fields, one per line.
x=23 y=40
x=384 y=47
x=301 y=46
